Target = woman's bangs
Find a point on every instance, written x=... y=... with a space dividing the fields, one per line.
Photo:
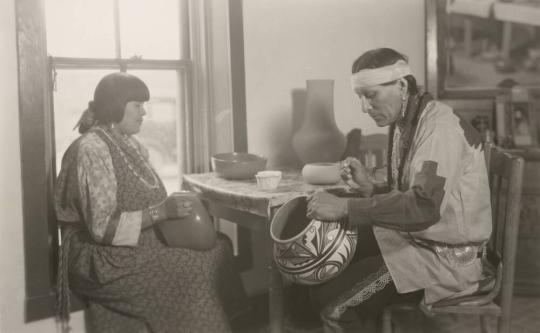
x=138 y=91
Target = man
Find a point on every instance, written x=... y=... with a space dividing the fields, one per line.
x=422 y=234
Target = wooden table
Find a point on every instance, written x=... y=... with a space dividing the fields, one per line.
x=241 y=202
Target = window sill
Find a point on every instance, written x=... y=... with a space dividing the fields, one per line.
x=41 y=307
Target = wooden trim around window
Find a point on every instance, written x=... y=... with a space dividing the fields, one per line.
x=96 y=63
x=238 y=75
x=35 y=157
x=37 y=162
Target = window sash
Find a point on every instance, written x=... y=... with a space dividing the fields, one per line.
x=37 y=132
x=185 y=114
x=110 y=63
x=37 y=145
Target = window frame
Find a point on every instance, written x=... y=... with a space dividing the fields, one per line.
x=38 y=170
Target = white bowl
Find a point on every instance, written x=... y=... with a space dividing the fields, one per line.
x=321 y=173
x=268 y=180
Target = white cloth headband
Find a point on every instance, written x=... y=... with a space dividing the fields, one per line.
x=376 y=76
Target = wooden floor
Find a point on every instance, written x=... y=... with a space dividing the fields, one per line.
x=525 y=319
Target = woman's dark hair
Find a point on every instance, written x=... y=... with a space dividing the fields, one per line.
x=383 y=57
x=112 y=94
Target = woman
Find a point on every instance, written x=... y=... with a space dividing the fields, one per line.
x=109 y=199
x=423 y=233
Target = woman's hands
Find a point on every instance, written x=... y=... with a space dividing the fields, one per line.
x=177 y=206
x=173 y=207
x=324 y=206
x=354 y=173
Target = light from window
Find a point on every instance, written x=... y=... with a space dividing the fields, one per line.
x=74 y=89
x=150 y=29
x=80 y=28
x=159 y=132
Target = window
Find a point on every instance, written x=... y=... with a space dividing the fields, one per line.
x=74 y=89
x=89 y=39
x=60 y=64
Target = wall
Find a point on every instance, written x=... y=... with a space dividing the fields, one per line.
x=12 y=291
x=289 y=41
x=222 y=126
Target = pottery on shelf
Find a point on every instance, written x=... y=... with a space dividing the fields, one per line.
x=318 y=139
x=308 y=251
x=195 y=231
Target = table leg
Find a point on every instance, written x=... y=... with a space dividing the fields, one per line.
x=275 y=290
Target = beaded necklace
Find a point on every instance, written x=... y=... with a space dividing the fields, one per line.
x=400 y=144
x=124 y=146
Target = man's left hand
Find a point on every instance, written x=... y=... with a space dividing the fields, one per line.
x=327 y=207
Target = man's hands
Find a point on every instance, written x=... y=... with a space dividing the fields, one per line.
x=327 y=207
x=354 y=173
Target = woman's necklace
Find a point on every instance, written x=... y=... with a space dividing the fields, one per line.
x=114 y=138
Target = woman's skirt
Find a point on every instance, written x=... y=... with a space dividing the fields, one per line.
x=155 y=288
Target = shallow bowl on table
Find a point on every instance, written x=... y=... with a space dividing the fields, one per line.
x=308 y=251
x=237 y=165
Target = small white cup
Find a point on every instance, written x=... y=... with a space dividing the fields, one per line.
x=268 y=180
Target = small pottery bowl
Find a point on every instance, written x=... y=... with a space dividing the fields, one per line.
x=237 y=165
x=268 y=180
x=308 y=251
x=321 y=173
x=195 y=231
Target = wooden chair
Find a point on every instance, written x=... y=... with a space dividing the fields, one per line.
x=505 y=180
x=370 y=149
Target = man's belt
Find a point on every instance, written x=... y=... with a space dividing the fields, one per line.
x=461 y=254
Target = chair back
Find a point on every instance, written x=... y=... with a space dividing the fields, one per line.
x=370 y=149
x=374 y=150
x=505 y=173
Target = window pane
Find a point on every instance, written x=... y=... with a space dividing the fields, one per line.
x=74 y=89
x=159 y=131
x=150 y=29
x=80 y=28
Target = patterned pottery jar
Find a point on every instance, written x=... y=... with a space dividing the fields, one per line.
x=308 y=251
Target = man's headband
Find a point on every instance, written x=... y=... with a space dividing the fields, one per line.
x=376 y=76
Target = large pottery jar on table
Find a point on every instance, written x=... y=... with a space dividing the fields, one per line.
x=318 y=139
